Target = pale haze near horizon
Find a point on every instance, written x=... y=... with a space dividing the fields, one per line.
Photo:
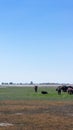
x=36 y=41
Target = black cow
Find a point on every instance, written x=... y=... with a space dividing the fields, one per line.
x=58 y=89
x=44 y=92
x=63 y=88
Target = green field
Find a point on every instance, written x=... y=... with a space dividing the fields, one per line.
x=27 y=93
x=23 y=109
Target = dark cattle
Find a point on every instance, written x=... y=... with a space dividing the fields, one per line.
x=58 y=89
x=44 y=92
x=35 y=88
x=63 y=88
x=70 y=91
x=70 y=87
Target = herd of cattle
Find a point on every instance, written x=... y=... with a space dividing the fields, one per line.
x=64 y=88
x=59 y=89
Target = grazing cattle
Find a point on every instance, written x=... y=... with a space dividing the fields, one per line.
x=70 y=91
x=63 y=88
x=70 y=87
x=44 y=92
x=58 y=90
x=35 y=88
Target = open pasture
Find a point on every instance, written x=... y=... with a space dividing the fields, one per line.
x=23 y=109
x=28 y=93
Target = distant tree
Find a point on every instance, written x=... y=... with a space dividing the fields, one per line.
x=4 y=83
x=11 y=83
x=31 y=83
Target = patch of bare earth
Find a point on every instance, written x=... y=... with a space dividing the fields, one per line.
x=36 y=115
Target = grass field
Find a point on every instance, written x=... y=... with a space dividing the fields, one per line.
x=23 y=109
x=27 y=93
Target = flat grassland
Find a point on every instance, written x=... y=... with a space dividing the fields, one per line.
x=23 y=109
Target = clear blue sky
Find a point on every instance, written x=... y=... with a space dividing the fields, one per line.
x=36 y=41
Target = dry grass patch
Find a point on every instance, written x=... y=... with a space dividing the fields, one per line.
x=36 y=115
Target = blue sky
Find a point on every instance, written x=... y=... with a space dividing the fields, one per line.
x=36 y=41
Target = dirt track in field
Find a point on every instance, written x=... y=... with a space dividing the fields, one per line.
x=36 y=115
